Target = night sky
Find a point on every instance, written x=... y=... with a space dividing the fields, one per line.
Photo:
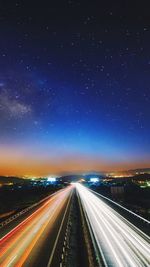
x=74 y=86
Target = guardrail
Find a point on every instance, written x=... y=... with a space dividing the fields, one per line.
x=120 y=206
x=15 y=216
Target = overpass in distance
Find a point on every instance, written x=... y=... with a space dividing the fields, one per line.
x=40 y=236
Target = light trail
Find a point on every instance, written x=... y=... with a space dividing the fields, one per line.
x=16 y=246
x=120 y=242
x=15 y=216
x=120 y=206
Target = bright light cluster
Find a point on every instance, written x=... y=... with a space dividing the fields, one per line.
x=51 y=179
x=94 y=180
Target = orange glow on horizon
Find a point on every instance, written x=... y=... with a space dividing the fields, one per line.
x=18 y=163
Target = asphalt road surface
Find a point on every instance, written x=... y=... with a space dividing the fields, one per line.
x=119 y=242
x=38 y=239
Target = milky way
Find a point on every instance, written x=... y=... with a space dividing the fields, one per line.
x=74 y=85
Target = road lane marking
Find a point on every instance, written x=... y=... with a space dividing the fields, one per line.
x=114 y=233
x=56 y=204
x=57 y=238
x=9 y=264
x=52 y=197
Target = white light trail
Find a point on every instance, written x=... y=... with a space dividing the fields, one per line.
x=117 y=204
x=122 y=244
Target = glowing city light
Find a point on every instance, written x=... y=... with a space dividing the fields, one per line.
x=94 y=180
x=51 y=179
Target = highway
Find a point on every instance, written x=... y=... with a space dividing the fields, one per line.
x=38 y=239
x=118 y=243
